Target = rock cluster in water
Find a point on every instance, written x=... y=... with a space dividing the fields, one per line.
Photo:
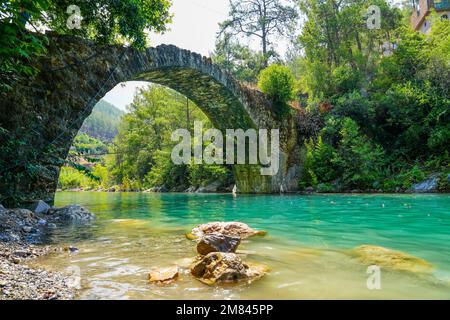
x=217 y=261
x=233 y=229
x=216 y=242
x=222 y=267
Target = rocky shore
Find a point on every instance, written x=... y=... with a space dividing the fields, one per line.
x=18 y=281
x=22 y=233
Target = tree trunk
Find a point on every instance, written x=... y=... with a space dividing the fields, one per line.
x=188 y=120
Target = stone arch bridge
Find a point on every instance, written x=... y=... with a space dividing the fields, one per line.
x=46 y=112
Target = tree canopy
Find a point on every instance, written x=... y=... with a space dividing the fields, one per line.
x=260 y=19
x=106 y=21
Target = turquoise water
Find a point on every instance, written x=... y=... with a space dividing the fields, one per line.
x=306 y=248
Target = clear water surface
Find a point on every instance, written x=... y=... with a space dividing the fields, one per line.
x=307 y=246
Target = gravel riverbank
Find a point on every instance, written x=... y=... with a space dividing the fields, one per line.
x=22 y=234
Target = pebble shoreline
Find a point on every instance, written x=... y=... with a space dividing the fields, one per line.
x=21 y=234
x=21 y=282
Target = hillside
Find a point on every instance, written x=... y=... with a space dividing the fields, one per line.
x=103 y=122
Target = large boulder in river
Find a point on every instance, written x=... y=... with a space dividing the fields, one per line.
x=232 y=229
x=391 y=259
x=73 y=214
x=216 y=242
x=219 y=267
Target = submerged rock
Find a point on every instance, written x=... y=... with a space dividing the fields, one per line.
x=164 y=276
x=395 y=260
x=232 y=229
x=70 y=214
x=71 y=249
x=216 y=242
x=219 y=267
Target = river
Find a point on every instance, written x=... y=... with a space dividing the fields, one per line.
x=307 y=245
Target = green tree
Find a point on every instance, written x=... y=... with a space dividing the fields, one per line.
x=359 y=160
x=260 y=19
x=242 y=62
x=338 y=46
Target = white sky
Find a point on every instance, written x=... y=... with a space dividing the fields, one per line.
x=194 y=27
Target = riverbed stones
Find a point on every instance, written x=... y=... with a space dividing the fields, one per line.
x=391 y=259
x=27 y=226
x=210 y=188
x=216 y=242
x=232 y=229
x=74 y=214
x=164 y=275
x=220 y=267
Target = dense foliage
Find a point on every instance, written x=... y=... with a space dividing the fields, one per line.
x=140 y=156
x=385 y=113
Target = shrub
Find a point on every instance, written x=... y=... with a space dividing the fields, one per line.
x=70 y=178
x=346 y=79
x=278 y=83
x=360 y=160
x=319 y=165
x=202 y=175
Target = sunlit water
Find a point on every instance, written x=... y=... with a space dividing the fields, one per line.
x=306 y=247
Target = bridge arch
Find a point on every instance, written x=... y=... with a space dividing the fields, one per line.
x=47 y=112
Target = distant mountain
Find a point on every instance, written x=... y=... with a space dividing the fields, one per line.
x=103 y=122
